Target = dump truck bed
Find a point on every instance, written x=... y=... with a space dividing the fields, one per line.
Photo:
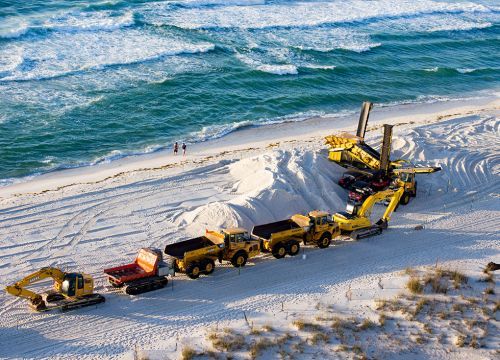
x=145 y=265
x=178 y=250
x=126 y=273
x=265 y=231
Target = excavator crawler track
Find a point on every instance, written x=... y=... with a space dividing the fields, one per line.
x=87 y=300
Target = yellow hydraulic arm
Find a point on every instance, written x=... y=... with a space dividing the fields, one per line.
x=367 y=206
x=392 y=205
x=416 y=170
x=19 y=288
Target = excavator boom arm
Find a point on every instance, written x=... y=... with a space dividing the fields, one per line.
x=19 y=288
x=375 y=198
x=393 y=204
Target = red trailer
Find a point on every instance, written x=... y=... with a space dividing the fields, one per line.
x=148 y=272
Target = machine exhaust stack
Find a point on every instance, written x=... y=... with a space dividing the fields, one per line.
x=363 y=119
x=385 y=152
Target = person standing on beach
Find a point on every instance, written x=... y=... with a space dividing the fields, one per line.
x=176 y=148
x=184 y=149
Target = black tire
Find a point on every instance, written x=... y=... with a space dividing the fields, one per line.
x=193 y=270
x=405 y=199
x=293 y=248
x=239 y=259
x=325 y=240
x=208 y=266
x=279 y=251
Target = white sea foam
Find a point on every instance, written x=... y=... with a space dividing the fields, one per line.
x=216 y=131
x=324 y=39
x=13 y=27
x=460 y=70
x=455 y=21
x=63 y=54
x=89 y=21
x=302 y=14
x=318 y=66
x=72 y=21
x=460 y=26
x=466 y=71
x=277 y=69
x=195 y=3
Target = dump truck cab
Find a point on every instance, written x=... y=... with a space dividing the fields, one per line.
x=323 y=229
x=239 y=246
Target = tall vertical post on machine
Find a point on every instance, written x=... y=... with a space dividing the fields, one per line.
x=363 y=119
x=385 y=152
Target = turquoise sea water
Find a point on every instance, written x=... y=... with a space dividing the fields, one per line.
x=83 y=82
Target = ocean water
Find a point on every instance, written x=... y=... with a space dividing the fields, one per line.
x=82 y=82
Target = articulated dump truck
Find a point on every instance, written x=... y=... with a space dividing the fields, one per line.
x=284 y=237
x=197 y=256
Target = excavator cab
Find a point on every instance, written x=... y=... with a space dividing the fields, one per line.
x=71 y=284
x=76 y=284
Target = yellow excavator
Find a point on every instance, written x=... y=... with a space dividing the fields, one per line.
x=71 y=290
x=356 y=219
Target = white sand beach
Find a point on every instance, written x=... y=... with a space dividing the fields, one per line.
x=90 y=218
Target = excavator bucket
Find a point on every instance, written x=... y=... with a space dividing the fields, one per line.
x=386 y=148
x=363 y=119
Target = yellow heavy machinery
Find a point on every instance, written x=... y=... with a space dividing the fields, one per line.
x=405 y=177
x=197 y=256
x=284 y=237
x=71 y=290
x=351 y=151
x=356 y=219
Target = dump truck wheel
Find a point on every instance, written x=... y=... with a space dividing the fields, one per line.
x=209 y=267
x=293 y=248
x=193 y=271
x=279 y=251
x=325 y=240
x=239 y=259
x=405 y=199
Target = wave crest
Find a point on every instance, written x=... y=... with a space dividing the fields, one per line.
x=61 y=55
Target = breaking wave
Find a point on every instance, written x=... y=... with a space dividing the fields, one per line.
x=61 y=55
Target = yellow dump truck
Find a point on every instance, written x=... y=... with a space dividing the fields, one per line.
x=284 y=237
x=197 y=256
